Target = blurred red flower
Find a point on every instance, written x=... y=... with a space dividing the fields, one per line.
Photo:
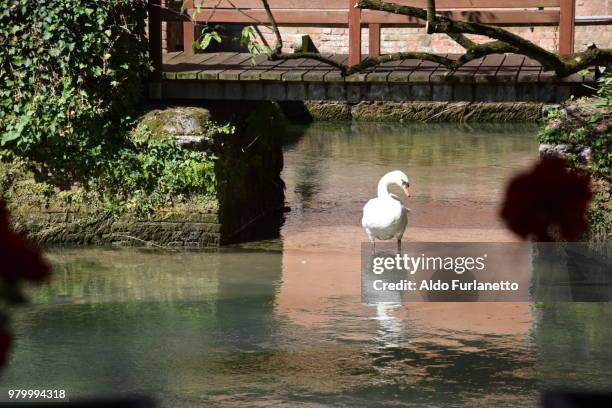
x=18 y=258
x=549 y=202
x=5 y=345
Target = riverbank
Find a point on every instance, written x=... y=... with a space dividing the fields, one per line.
x=581 y=132
x=185 y=181
x=415 y=111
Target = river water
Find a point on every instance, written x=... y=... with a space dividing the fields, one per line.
x=281 y=323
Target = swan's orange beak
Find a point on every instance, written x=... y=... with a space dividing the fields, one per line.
x=406 y=189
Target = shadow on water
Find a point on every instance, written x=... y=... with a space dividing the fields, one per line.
x=114 y=321
x=413 y=144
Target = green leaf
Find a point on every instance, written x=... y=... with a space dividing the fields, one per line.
x=207 y=38
x=205 y=42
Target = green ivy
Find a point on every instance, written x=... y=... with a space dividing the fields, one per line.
x=71 y=78
x=71 y=72
x=605 y=89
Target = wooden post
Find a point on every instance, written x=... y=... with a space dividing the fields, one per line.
x=155 y=39
x=188 y=37
x=374 y=40
x=188 y=28
x=354 y=24
x=567 y=22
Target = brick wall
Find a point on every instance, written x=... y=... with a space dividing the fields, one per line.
x=335 y=40
x=172 y=31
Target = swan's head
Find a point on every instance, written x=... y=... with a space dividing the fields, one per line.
x=399 y=178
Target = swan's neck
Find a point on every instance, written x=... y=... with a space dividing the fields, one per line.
x=383 y=187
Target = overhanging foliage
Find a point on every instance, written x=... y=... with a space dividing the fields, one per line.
x=71 y=72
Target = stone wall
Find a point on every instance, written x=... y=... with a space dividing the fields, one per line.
x=335 y=40
x=248 y=203
x=168 y=229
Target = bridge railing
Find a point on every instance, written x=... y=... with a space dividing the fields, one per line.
x=343 y=13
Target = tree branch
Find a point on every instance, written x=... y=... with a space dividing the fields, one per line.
x=275 y=56
x=462 y=40
x=370 y=62
x=278 y=47
x=392 y=8
x=481 y=50
x=431 y=16
x=278 y=54
x=548 y=59
x=443 y=24
x=579 y=61
x=505 y=42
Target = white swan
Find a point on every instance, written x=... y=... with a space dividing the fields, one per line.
x=385 y=217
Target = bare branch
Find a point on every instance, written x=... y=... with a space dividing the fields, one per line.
x=396 y=56
x=431 y=16
x=443 y=24
x=392 y=8
x=548 y=59
x=310 y=55
x=481 y=50
x=277 y=52
x=278 y=47
x=506 y=42
x=462 y=40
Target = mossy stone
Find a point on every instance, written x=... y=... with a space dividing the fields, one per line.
x=177 y=122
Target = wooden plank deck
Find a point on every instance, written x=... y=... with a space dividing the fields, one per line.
x=493 y=78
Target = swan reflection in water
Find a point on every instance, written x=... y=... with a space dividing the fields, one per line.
x=390 y=328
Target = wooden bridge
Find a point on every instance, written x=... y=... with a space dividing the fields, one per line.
x=231 y=76
x=189 y=75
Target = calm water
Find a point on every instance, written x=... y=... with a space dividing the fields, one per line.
x=281 y=323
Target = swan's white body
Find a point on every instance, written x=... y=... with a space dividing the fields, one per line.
x=385 y=217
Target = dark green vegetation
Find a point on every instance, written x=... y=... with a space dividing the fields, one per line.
x=81 y=159
x=71 y=79
x=193 y=183
x=582 y=130
x=72 y=73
